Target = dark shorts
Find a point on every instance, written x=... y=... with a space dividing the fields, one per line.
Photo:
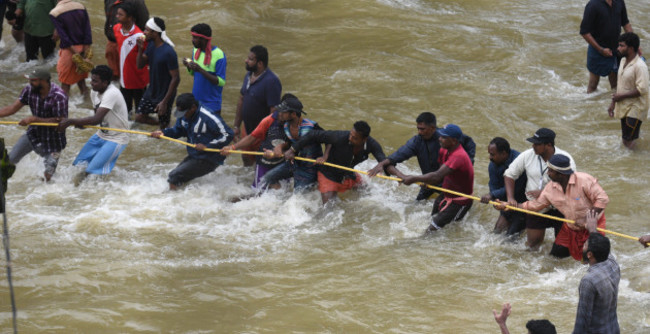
x=540 y=223
x=599 y=64
x=426 y=193
x=147 y=106
x=190 y=169
x=132 y=97
x=517 y=221
x=445 y=211
x=630 y=128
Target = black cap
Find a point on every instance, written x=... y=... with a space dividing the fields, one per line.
x=560 y=163
x=183 y=103
x=290 y=104
x=543 y=136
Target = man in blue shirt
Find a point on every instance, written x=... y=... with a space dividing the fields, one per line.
x=260 y=93
x=163 y=74
x=501 y=155
x=208 y=67
x=202 y=128
x=425 y=146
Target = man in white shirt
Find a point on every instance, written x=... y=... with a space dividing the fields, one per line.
x=533 y=163
x=104 y=147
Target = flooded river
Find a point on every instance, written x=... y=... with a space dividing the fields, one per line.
x=121 y=254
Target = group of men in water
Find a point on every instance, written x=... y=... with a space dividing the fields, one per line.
x=141 y=56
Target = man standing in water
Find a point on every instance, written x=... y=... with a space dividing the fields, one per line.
x=208 y=67
x=140 y=15
x=104 y=147
x=533 y=163
x=425 y=146
x=203 y=128
x=630 y=102
x=599 y=287
x=349 y=148
x=501 y=156
x=163 y=74
x=260 y=93
x=600 y=27
x=48 y=104
x=456 y=173
x=573 y=194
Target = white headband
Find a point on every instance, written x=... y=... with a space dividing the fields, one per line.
x=151 y=24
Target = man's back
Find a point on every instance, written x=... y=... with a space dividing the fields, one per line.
x=598 y=299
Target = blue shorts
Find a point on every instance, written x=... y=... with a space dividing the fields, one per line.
x=599 y=64
x=100 y=155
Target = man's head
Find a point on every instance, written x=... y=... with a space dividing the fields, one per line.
x=125 y=13
x=627 y=41
x=359 y=133
x=100 y=78
x=543 y=140
x=201 y=35
x=426 y=124
x=450 y=136
x=258 y=59
x=289 y=109
x=151 y=29
x=540 y=327
x=186 y=106
x=596 y=248
x=499 y=150
x=559 y=168
x=38 y=78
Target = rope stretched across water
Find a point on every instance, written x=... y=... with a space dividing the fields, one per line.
x=509 y=207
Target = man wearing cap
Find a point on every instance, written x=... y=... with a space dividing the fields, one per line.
x=260 y=93
x=425 y=146
x=48 y=104
x=269 y=134
x=456 y=173
x=104 y=147
x=573 y=194
x=295 y=127
x=208 y=67
x=349 y=148
x=204 y=129
x=630 y=102
x=163 y=74
x=533 y=163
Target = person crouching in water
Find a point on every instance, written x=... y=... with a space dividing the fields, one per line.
x=202 y=128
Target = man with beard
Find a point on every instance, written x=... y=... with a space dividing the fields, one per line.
x=630 y=102
x=573 y=194
x=456 y=173
x=598 y=289
x=140 y=16
x=425 y=146
x=349 y=148
x=532 y=162
x=48 y=104
x=208 y=67
x=163 y=74
x=260 y=93
x=133 y=81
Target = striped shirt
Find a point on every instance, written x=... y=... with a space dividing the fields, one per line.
x=55 y=104
x=310 y=151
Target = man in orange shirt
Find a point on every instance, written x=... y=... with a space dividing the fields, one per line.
x=573 y=194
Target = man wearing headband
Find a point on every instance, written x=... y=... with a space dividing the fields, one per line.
x=208 y=67
x=163 y=74
x=573 y=194
x=532 y=163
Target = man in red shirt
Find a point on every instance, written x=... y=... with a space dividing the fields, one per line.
x=456 y=173
x=133 y=81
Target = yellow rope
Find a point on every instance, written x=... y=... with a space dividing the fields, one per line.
x=509 y=207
